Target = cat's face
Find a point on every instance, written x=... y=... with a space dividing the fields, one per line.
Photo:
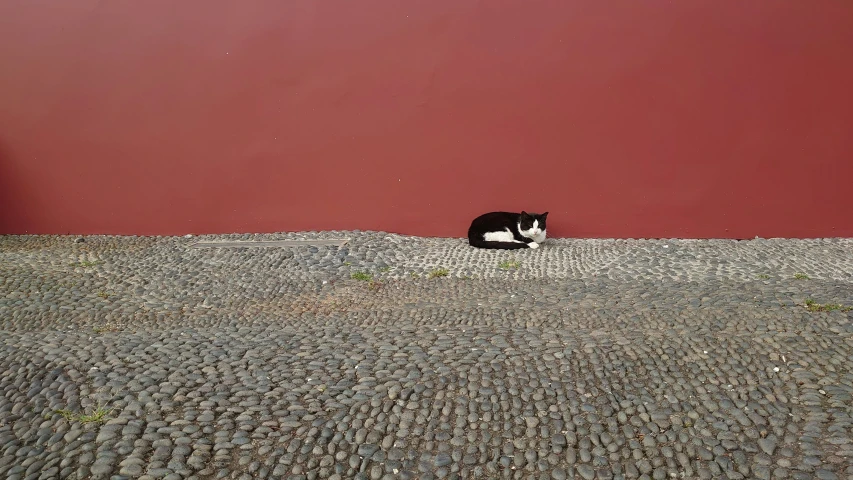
x=532 y=224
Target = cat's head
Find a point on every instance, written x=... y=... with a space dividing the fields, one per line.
x=532 y=224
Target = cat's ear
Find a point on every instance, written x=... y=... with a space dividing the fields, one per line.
x=544 y=215
x=523 y=214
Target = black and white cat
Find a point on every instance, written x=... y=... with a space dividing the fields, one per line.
x=507 y=230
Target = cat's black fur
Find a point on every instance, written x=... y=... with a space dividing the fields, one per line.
x=501 y=222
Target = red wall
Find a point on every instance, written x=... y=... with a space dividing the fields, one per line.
x=624 y=118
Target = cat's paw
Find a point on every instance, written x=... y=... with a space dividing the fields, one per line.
x=533 y=245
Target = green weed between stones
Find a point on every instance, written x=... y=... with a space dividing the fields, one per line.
x=438 y=272
x=509 y=264
x=85 y=264
x=363 y=276
x=813 y=306
x=99 y=415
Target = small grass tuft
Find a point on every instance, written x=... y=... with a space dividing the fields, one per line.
x=801 y=276
x=364 y=276
x=813 y=306
x=375 y=285
x=85 y=264
x=67 y=414
x=764 y=276
x=414 y=275
x=510 y=264
x=438 y=272
x=385 y=269
x=99 y=415
x=104 y=294
x=99 y=329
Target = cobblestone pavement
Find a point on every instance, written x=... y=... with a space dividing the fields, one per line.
x=150 y=358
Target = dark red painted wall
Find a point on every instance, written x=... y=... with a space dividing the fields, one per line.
x=624 y=118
